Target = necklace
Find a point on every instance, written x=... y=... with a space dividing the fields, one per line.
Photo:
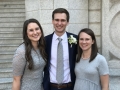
x=85 y=57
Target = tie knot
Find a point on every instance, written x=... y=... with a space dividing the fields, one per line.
x=60 y=39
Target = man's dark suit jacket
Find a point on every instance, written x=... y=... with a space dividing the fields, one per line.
x=72 y=60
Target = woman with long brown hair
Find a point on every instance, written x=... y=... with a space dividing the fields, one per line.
x=29 y=58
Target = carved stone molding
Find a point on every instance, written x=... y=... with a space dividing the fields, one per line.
x=113 y=2
x=111 y=39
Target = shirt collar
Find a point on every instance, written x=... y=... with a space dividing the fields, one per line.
x=64 y=36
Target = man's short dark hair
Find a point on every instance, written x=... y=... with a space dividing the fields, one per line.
x=61 y=10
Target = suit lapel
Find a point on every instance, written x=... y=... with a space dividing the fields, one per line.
x=70 y=50
x=49 y=42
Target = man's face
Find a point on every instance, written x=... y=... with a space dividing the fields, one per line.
x=60 y=23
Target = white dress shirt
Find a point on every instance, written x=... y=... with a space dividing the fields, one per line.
x=53 y=61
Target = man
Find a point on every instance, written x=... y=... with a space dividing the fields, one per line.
x=60 y=19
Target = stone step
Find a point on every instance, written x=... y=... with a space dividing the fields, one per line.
x=14 y=14
x=11 y=34
x=4 y=56
x=9 y=29
x=6 y=72
x=4 y=53
x=12 y=19
x=8 y=48
x=6 y=83
x=19 y=24
x=6 y=89
x=6 y=63
x=8 y=6
x=10 y=41
x=12 y=2
x=8 y=60
x=12 y=10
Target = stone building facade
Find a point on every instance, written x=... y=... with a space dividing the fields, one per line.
x=102 y=16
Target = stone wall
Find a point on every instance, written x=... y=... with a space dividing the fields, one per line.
x=42 y=10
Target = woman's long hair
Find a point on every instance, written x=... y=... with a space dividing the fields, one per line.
x=28 y=44
x=94 y=50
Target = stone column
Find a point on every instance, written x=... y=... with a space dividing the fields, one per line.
x=111 y=39
x=95 y=22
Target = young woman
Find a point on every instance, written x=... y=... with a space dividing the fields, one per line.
x=30 y=58
x=91 y=68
